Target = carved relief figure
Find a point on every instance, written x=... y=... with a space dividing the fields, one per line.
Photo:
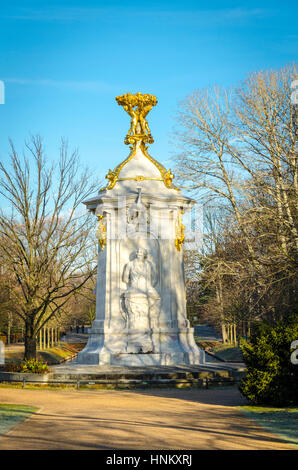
x=141 y=295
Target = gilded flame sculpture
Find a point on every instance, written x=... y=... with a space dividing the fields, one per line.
x=137 y=107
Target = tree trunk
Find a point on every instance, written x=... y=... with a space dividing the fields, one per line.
x=220 y=303
x=224 y=333
x=8 y=332
x=30 y=342
x=40 y=339
x=30 y=348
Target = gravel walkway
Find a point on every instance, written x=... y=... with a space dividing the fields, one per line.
x=150 y=419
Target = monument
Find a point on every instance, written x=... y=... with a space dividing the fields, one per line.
x=140 y=290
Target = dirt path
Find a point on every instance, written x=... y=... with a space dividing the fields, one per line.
x=152 y=419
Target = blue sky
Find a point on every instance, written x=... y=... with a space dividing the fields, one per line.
x=63 y=63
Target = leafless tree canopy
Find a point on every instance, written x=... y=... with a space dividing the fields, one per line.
x=45 y=241
x=237 y=153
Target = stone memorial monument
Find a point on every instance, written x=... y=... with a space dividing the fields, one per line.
x=140 y=290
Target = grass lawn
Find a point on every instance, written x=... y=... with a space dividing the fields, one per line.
x=63 y=352
x=279 y=421
x=53 y=355
x=228 y=352
x=10 y=415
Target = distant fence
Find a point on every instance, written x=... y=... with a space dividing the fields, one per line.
x=48 y=338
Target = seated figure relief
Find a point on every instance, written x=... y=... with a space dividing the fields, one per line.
x=141 y=297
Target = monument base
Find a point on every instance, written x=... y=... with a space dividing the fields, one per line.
x=157 y=347
x=126 y=359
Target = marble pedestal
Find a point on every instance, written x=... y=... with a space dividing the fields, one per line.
x=171 y=347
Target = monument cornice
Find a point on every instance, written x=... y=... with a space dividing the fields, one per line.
x=147 y=198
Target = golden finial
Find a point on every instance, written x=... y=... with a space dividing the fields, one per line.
x=137 y=107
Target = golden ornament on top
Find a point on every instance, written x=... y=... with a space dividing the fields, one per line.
x=137 y=107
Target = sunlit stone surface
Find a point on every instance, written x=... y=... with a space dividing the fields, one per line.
x=140 y=292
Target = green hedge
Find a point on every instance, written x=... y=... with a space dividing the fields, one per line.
x=271 y=378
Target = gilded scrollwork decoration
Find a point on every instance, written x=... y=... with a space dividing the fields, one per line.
x=101 y=232
x=179 y=231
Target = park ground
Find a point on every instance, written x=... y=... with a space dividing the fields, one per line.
x=141 y=419
x=54 y=355
x=152 y=419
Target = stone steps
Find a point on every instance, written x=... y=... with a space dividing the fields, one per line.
x=135 y=377
x=198 y=376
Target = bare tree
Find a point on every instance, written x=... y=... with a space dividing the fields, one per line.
x=45 y=238
x=237 y=152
